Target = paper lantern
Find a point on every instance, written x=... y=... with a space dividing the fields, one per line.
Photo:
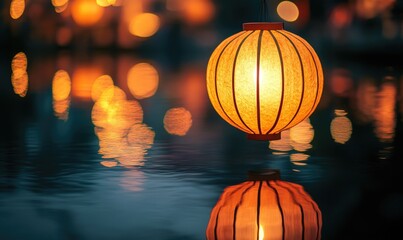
x=265 y=207
x=264 y=80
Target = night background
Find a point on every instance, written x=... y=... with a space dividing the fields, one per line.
x=153 y=163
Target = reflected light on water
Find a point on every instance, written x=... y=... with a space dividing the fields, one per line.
x=299 y=158
x=302 y=135
x=177 y=121
x=142 y=80
x=86 y=12
x=133 y=180
x=128 y=147
x=341 y=127
x=109 y=164
x=83 y=79
x=100 y=85
x=17 y=8
x=282 y=145
x=120 y=114
x=61 y=88
x=366 y=100
x=288 y=11
x=19 y=76
x=385 y=117
x=144 y=25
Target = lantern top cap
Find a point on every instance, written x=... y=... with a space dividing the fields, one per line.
x=263 y=26
x=264 y=175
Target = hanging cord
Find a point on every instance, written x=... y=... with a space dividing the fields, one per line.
x=264 y=11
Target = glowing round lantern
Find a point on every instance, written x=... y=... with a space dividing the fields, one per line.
x=265 y=207
x=264 y=80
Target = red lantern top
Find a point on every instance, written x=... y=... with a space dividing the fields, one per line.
x=263 y=26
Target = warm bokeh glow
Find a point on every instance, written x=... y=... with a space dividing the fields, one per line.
x=20 y=83
x=341 y=82
x=302 y=135
x=274 y=209
x=17 y=8
x=61 y=86
x=197 y=12
x=177 y=121
x=385 y=115
x=286 y=90
x=283 y=145
x=341 y=127
x=121 y=114
x=142 y=80
x=19 y=76
x=101 y=84
x=86 y=12
x=144 y=25
x=288 y=11
x=371 y=8
x=83 y=79
x=61 y=109
x=105 y=3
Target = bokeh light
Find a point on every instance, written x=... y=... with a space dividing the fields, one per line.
x=196 y=12
x=302 y=135
x=82 y=81
x=385 y=116
x=288 y=11
x=86 y=12
x=101 y=84
x=19 y=76
x=177 y=121
x=142 y=80
x=144 y=25
x=106 y=3
x=61 y=86
x=341 y=127
x=17 y=8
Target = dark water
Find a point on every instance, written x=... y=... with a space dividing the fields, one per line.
x=63 y=178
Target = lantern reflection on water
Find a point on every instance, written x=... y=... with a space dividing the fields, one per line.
x=265 y=205
x=142 y=80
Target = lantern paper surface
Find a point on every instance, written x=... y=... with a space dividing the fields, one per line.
x=264 y=80
x=259 y=210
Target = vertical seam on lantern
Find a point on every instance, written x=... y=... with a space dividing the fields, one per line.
x=216 y=223
x=258 y=209
x=233 y=82
x=303 y=81
x=282 y=83
x=218 y=213
x=303 y=194
x=236 y=209
x=259 y=45
x=317 y=76
x=279 y=206
x=215 y=80
x=285 y=186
